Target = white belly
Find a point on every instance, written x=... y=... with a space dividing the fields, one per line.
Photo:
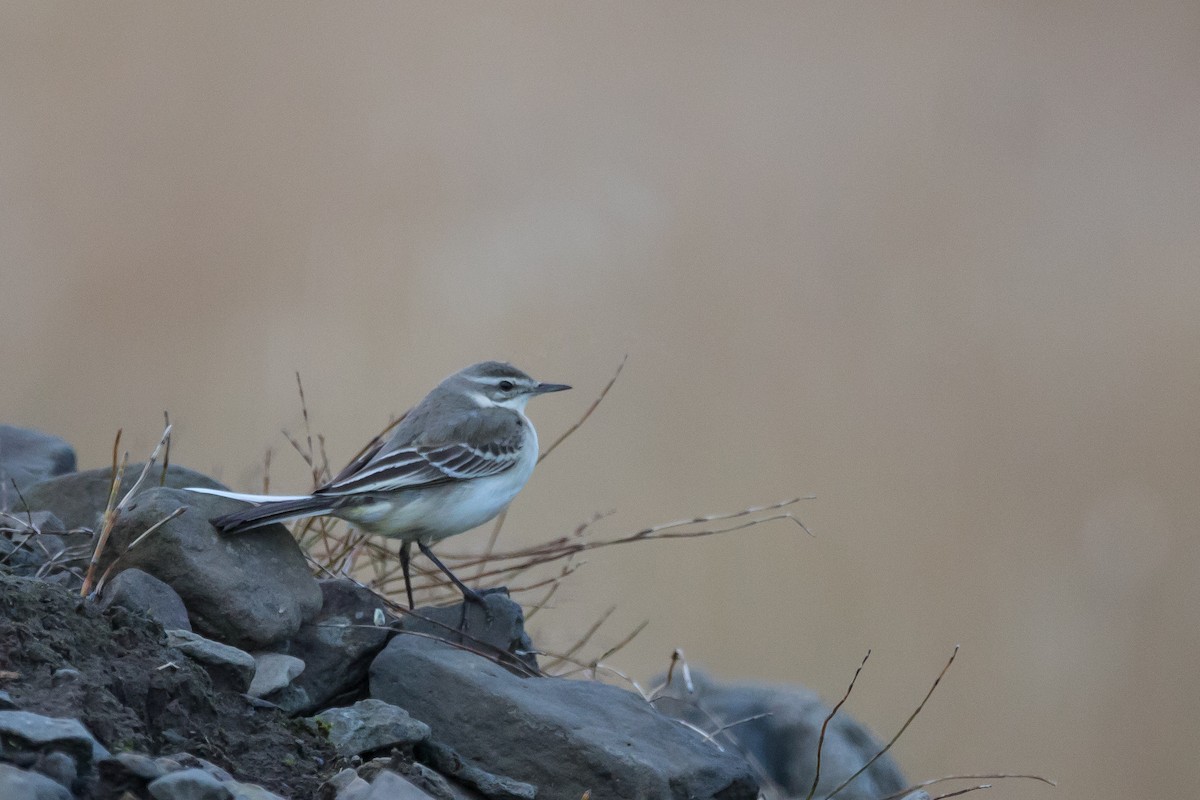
x=433 y=513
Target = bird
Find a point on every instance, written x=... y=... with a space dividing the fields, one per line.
x=455 y=460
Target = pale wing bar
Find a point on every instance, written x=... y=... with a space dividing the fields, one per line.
x=424 y=465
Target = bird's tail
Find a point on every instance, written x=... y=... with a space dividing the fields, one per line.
x=269 y=512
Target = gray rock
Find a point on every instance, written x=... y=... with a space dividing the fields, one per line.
x=563 y=736
x=248 y=791
x=30 y=731
x=17 y=784
x=919 y=794
x=783 y=744
x=336 y=647
x=229 y=667
x=141 y=591
x=78 y=499
x=496 y=628
x=189 y=761
x=273 y=671
x=28 y=457
x=189 y=784
x=345 y=785
x=451 y=764
x=137 y=765
x=6 y=701
x=59 y=767
x=248 y=590
x=390 y=786
x=371 y=725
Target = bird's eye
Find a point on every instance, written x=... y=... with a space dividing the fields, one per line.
x=505 y=386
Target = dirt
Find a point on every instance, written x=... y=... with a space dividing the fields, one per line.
x=134 y=693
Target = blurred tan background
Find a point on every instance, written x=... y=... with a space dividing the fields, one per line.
x=935 y=263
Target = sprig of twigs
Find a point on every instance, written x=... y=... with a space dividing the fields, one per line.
x=114 y=509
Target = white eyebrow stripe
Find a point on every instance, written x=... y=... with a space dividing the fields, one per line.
x=480 y=399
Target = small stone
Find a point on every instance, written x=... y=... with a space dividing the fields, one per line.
x=370 y=725
x=390 y=786
x=229 y=667
x=59 y=767
x=498 y=626
x=6 y=702
x=189 y=761
x=248 y=791
x=273 y=671
x=138 y=765
x=141 y=591
x=28 y=456
x=189 y=784
x=337 y=647
x=354 y=790
x=35 y=732
x=19 y=784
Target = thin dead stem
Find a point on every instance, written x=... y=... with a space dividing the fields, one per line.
x=903 y=727
x=114 y=509
x=988 y=777
x=825 y=725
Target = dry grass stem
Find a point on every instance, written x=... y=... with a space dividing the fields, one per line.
x=583 y=640
x=579 y=423
x=104 y=577
x=989 y=777
x=963 y=791
x=825 y=725
x=903 y=727
x=114 y=509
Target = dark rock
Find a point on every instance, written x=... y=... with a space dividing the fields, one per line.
x=189 y=761
x=390 y=786
x=59 y=767
x=17 y=784
x=141 y=591
x=28 y=457
x=230 y=668
x=371 y=725
x=80 y=498
x=336 y=647
x=419 y=775
x=563 y=736
x=189 y=784
x=249 y=791
x=497 y=627
x=495 y=787
x=6 y=701
x=134 y=765
x=783 y=743
x=247 y=590
x=28 y=731
x=273 y=671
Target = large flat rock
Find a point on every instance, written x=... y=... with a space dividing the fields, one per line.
x=564 y=736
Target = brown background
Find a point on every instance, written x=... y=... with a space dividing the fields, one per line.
x=934 y=262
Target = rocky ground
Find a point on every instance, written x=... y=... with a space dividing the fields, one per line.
x=213 y=668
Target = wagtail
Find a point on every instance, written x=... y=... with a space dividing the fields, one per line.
x=454 y=462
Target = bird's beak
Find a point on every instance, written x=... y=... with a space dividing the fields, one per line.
x=544 y=388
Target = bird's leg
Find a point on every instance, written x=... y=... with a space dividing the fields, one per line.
x=405 y=555
x=467 y=592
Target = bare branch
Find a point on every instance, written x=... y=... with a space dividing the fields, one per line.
x=824 y=725
x=900 y=732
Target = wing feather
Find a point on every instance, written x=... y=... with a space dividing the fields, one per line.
x=426 y=464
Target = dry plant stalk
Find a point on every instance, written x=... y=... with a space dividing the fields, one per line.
x=114 y=509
